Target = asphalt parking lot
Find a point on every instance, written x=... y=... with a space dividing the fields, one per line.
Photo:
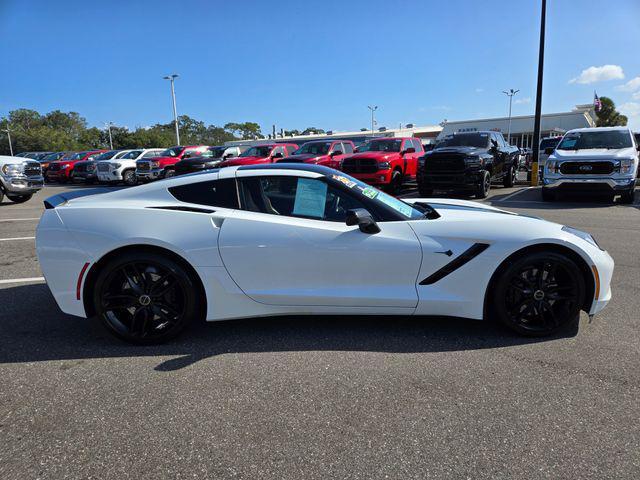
x=322 y=397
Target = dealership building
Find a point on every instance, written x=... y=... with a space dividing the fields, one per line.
x=551 y=125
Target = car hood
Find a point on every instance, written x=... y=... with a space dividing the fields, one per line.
x=158 y=159
x=242 y=160
x=594 y=154
x=465 y=150
x=304 y=157
x=380 y=156
x=467 y=220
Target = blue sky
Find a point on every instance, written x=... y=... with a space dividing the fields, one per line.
x=300 y=64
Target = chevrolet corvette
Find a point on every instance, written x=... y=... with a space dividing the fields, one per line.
x=293 y=239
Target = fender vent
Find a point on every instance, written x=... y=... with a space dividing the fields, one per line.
x=465 y=257
x=185 y=209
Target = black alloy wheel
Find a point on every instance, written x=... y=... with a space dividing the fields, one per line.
x=539 y=294
x=145 y=298
x=482 y=189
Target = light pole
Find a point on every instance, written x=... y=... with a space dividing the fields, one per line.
x=510 y=94
x=536 y=122
x=9 y=137
x=171 y=78
x=373 y=108
x=110 y=139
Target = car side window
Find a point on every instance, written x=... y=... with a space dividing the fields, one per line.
x=337 y=146
x=348 y=147
x=418 y=145
x=215 y=193
x=296 y=197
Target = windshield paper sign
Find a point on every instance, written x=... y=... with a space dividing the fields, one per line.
x=310 y=198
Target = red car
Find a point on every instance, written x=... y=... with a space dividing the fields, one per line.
x=61 y=170
x=322 y=152
x=267 y=153
x=164 y=165
x=385 y=162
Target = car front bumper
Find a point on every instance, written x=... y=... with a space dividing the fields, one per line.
x=590 y=184
x=381 y=177
x=153 y=174
x=83 y=176
x=450 y=181
x=21 y=185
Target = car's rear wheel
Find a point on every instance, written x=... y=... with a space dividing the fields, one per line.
x=145 y=298
x=539 y=294
x=482 y=189
x=19 y=198
x=510 y=177
x=129 y=177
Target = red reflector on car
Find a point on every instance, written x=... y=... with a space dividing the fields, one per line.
x=79 y=285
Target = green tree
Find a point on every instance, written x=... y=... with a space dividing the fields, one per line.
x=312 y=130
x=608 y=116
x=246 y=130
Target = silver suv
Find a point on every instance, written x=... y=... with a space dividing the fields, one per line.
x=20 y=178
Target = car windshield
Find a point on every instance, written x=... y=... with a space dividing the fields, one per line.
x=172 y=152
x=609 y=139
x=478 y=140
x=106 y=155
x=314 y=148
x=257 y=152
x=131 y=155
x=381 y=146
x=51 y=157
x=78 y=156
x=384 y=200
x=213 y=152
x=548 y=143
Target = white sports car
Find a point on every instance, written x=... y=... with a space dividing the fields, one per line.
x=303 y=239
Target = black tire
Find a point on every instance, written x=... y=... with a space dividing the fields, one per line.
x=129 y=177
x=547 y=195
x=510 y=177
x=169 y=172
x=145 y=298
x=539 y=294
x=396 y=183
x=1 y=194
x=628 y=197
x=19 y=198
x=483 y=187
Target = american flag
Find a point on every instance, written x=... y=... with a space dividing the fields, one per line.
x=596 y=102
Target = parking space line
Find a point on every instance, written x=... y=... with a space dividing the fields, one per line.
x=19 y=219
x=513 y=194
x=16 y=238
x=22 y=280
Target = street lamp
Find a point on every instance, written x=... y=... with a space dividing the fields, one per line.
x=110 y=139
x=510 y=94
x=373 y=108
x=171 y=78
x=9 y=137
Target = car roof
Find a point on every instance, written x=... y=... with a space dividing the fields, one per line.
x=600 y=129
x=307 y=167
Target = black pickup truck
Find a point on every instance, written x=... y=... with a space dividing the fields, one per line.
x=468 y=161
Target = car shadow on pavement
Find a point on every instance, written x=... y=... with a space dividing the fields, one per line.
x=33 y=329
x=524 y=198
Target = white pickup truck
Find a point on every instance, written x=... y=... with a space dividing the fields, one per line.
x=20 y=178
x=600 y=160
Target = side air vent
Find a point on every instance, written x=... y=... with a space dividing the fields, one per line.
x=465 y=257
x=184 y=209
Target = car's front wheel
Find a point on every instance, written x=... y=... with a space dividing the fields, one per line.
x=539 y=294
x=510 y=177
x=129 y=178
x=395 y=186
x=482 y=189
x=19 y=198
x=145 y=298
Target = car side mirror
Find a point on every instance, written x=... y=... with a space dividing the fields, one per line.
x=548 y=150
x=364 y=220
x=336 y=152
x=410 y=150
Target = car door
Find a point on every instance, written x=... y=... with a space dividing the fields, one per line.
x=336 y=160
x=289 y=245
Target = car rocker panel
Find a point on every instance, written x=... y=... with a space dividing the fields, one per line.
x=372 y=253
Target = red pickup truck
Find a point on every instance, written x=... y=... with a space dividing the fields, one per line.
x=267 y=153
x=164 y=165
x=321 y=152
x=385 y=162
x=61 y=170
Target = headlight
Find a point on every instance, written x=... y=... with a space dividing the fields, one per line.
x=551 y=166
x=583 y=235
x=12 y=169
x=626 y=165
x=64 y=166
x=115 y=165
x=154 y=164
x=384 y=166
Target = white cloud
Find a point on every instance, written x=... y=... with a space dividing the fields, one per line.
x=524 y=100
x=631 y=86
x=632 y=111
x=599 y=74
